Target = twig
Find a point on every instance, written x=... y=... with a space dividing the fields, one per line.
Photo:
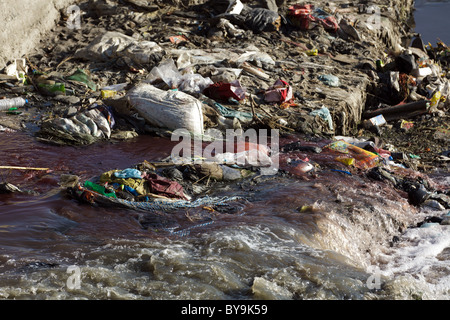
x=64 y=61
x=23 y=168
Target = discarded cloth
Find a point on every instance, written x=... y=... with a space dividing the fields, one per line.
x=128 y=173
x=230 y=113
x=165 y=187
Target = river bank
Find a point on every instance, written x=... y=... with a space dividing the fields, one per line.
x=289 y=230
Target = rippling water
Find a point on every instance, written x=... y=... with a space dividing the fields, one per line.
x=323 y=237
x=432 y=21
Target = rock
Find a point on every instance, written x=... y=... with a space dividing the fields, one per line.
x=230 y=174
x=124 y=135
x=67 y=99
x=445 y=221
x=433 y=204
x=68 y=180
x=8 y=188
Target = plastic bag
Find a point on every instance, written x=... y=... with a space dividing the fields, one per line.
x=325 y=114
x=224 y=91
x=113 y=45
x=329 y=80
x=168 y=72
x=261 y=19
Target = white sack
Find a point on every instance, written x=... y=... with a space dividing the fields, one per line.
x=167 y=109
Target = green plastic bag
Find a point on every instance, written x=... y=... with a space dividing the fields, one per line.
x=99 y=189
x=82 y=76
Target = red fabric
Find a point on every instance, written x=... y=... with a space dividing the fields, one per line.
x=165 y=187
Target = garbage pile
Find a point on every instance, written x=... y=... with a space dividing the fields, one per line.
x=316 y=69
x=147 y=187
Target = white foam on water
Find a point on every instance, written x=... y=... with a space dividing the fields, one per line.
x=419 y=254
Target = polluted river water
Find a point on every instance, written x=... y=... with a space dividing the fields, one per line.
x=287 y=239
x=331 y=237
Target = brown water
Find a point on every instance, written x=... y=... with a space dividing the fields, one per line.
x=267 y=247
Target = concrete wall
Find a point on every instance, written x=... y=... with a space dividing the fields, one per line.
x=25 y=22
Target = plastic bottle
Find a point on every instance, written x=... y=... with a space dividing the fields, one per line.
x=11 y=103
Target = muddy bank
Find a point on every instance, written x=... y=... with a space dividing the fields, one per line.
x=287 y=52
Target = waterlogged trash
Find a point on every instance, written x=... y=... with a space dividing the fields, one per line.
x=5 y=104
x=167 y=109
x=329 y=80
x=363 y=159
x=418 y=195
x=299 y=167
x=99 y=189
x=244 y=159
x=128 y=173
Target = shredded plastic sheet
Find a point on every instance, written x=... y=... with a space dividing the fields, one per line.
x=167 y=205
x=155 y=204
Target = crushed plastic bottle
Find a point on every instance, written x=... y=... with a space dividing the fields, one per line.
x=6 y=104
